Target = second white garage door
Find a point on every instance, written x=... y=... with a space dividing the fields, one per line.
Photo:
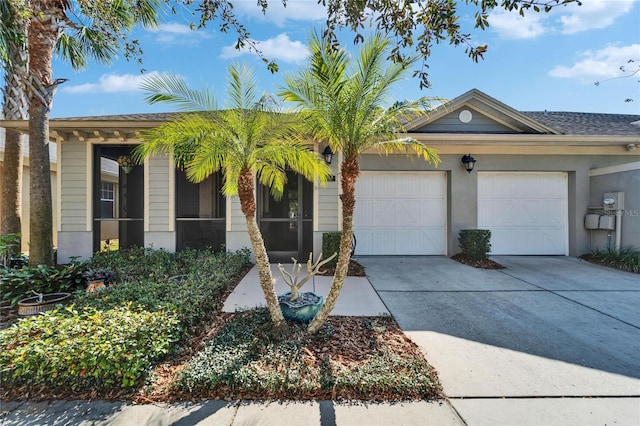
x=526 y=212
x=401 y=213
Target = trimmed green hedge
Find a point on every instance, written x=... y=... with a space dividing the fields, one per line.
x=330 y=245
x=475 y=243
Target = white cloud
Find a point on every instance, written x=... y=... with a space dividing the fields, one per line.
x=569 y=19
x=593 y=15
x=296 y=10
x=514 y=26
x=280 y=48
x=110 y=83
x=600 y=64
x=174 y=33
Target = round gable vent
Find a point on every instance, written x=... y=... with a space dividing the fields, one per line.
x=465 y=116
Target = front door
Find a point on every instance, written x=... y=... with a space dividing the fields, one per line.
x=287 y=223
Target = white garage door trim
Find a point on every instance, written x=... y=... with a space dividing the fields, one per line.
x=527 y=212
x=401 y=213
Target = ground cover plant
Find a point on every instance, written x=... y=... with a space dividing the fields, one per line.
x=358 y=358
x=627 y=259
x=84 y=350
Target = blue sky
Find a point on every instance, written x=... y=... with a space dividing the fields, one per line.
x=543 y=61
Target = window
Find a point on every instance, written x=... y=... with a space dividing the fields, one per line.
x=107 y=200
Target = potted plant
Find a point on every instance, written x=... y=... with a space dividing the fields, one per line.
x=41 y=302
x=99 y=280
x=126 y=162
x=295 y=305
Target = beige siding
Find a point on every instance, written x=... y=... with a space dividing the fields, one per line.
x=159 y=196
x=238 y=222
x=75 y=188
x=328 y=207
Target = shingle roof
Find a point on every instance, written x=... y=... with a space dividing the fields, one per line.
x=158 y=116
x=586 y=123
x=568 y=123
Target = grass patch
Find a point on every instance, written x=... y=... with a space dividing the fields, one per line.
x=628 y=259
x=350 y=358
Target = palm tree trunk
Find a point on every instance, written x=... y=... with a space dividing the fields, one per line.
x=40 y=219
x=12 y=184
x=14 y=107
x=246 y=191
x=350 y=170
x=42 y=36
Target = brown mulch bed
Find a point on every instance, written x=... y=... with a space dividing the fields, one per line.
x=355 y=270
x=483 y=264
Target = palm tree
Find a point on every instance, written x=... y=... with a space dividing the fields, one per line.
x=249 y=140
x=342 y=101
x=57 y=25
x=14 y=107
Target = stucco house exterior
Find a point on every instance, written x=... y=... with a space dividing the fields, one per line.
x=536 y=178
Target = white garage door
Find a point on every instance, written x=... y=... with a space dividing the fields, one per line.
x=526 y=212
x=400 y=213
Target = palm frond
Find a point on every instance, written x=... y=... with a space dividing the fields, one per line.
x=408 y=146
x=146 y=12
x=242 y=88
x=173 y=89
x=345 y=99
x=12 y=32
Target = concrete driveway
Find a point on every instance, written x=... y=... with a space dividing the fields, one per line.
x=512 y=345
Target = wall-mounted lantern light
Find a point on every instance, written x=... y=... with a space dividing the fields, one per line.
x=468 y=162
x=327 y=154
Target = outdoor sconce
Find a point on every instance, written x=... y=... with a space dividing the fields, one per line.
x=468 y=162
x=327 y=154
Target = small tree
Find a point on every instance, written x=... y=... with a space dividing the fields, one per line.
x=247 y=141
x=342 y=101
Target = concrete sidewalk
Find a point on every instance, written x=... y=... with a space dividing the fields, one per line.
x=235 y=413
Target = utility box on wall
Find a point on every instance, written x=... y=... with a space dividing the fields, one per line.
x=607 y=222
x=592 y=221
x=613 y=201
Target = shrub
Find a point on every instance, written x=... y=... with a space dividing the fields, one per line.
x=136 y=263
x=85 y=349
x=475 y=243
x=9 y=246
x=17 y=284
x=208 y=275
x=330 y=245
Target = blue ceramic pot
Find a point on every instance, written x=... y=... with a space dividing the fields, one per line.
x=302 y=310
